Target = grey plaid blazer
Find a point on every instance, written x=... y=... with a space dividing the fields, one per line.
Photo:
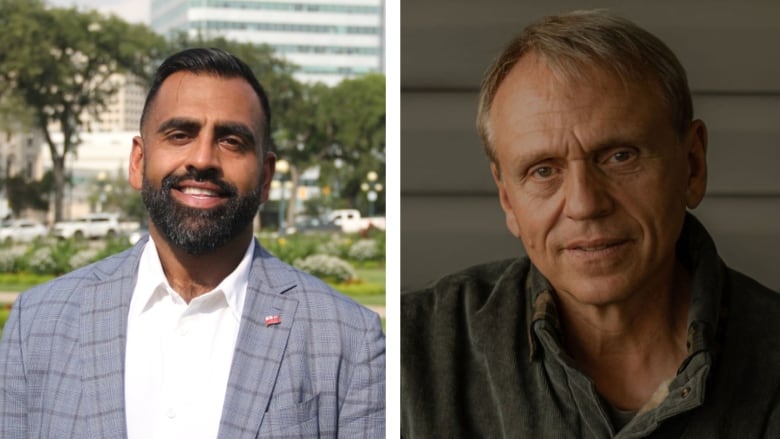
x=320 y=373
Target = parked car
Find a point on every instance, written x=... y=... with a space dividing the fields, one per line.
x=306 y=224
x=22 y=230
x=94 y=225
x=351 y=221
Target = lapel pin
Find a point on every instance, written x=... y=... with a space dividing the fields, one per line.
x=272 y=320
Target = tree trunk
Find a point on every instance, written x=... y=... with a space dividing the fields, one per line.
x=58 y=171
x=58 y=168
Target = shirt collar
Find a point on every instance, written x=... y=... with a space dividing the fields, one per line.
x=697 y=252
x=152 y=285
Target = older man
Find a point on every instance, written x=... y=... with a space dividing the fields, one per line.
x=622 y=321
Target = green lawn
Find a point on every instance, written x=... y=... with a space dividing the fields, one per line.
x=4 y=311
x=18 y=282
x=369 y=290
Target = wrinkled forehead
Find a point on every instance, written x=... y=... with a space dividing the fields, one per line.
x=575 y=72
x=535 y=110
x=539 y=75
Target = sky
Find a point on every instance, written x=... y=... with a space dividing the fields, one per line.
x=134 y=11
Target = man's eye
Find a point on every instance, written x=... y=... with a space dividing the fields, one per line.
x=543 y=172
x=622 y=156
x=232 y=142
x=178 y=136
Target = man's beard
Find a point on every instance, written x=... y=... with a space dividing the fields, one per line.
x=199 y=231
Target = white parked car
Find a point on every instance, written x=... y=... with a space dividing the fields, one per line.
x=351 y=221
x=94 y=225
x=22 y=230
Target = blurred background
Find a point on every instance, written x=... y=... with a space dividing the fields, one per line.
x=450 y=215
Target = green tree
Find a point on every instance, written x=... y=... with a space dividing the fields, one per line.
x=352 y=117
x=24 y=194
x=60 y=63
x=300 y=139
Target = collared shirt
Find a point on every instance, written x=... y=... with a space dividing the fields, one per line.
x=179 y=355
x=481 y=356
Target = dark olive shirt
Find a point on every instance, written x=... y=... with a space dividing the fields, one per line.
x=481 y=357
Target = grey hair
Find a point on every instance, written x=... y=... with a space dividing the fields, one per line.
x=573 y=44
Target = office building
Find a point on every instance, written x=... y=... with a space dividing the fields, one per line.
x=123 y=109
x=328 y=40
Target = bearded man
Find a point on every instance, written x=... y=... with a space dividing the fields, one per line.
x=197 y=331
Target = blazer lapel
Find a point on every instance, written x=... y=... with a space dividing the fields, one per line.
x=260 y=346
x=104 y=308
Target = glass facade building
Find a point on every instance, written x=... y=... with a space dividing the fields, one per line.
x=328 y=40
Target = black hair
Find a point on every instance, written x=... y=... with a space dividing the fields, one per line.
x=211 y=61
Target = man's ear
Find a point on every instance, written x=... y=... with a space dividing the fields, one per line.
x=506 y=203
x=136 y=168
x=696 y=147
x=267 y=175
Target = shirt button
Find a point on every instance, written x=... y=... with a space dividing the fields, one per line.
x=170 y=413
x=685 y=392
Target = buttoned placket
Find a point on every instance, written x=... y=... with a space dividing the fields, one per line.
x=686 y=391
x=183 y=355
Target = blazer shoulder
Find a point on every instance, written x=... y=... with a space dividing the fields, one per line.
x=66 y=288
x=313 y=295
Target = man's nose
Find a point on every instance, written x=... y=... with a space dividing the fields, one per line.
x=204 y=153
x=586 y=193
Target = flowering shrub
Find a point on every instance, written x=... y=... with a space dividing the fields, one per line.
x=10 y=259
x=41 y=261
x=55 y=257
x=364 y=250
x=290 y=248
x=82 y=258
x=337 y=245
x=111 y=246
x=326 y=267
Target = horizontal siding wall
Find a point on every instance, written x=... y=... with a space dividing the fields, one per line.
x=450 y=213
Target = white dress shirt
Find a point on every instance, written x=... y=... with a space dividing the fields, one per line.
x=178 y=355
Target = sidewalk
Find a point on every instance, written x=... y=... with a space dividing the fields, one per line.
x=377 y=309
x=6 y=297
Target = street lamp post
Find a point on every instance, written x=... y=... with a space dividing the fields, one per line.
x=371 y=187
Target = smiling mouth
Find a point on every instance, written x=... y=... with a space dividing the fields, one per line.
x=199 y=192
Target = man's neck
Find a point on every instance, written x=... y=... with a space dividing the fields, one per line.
x=632 y=347
x=192 y=276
